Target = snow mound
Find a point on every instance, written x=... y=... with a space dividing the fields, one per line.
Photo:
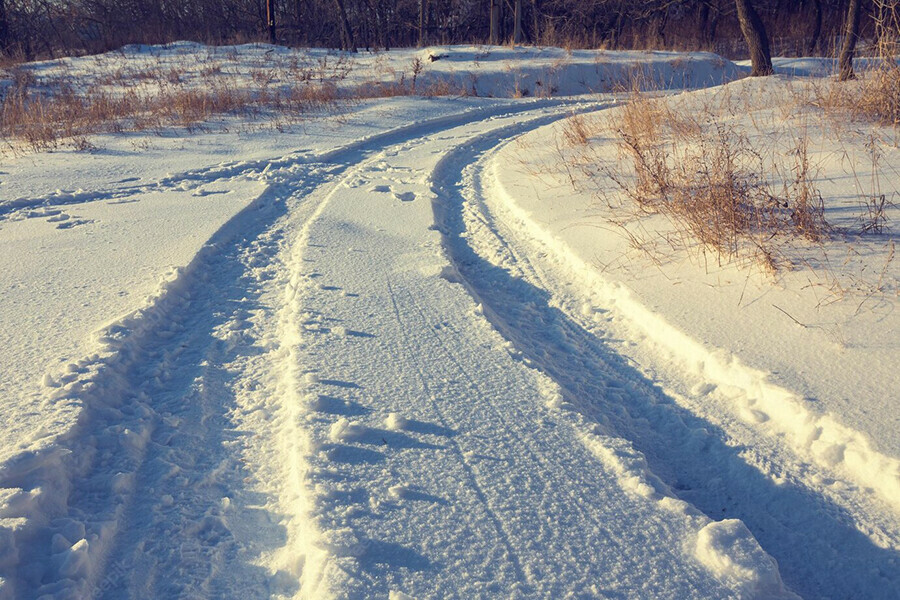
x=344 y=430
x=395 y=422
x=341 y=542
x=729 y=550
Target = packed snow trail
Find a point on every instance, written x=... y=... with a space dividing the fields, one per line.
x=345 y=395
x=537 y=300
x=439 y=470
x=158 y=400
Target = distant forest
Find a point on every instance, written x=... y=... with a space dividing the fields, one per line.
x=47 y=28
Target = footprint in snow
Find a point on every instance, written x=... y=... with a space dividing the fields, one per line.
x=386 y=189
x=201 y=192
x=69 y=224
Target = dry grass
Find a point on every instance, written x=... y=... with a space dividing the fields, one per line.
x=727 y=177
x=711 y=183
x=40 y=113
x=576 y=130
x=879 y=94
x=881 y=90
x=874 y=94
x=45 y=119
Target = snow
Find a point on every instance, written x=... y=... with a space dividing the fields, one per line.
x=819 y=374
x=384 y=353
x=729 y=548
x=733 y=360
x=455 y=70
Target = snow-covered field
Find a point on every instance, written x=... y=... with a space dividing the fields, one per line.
x=390 y=351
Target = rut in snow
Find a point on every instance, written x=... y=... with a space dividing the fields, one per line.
x=436 y=468
x=818 y=548
x=156 y=414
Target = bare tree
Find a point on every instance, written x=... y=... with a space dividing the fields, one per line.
x=848 y=48
x=346 y=32
x=496 y=7
x=422 y=6
x=757 y=41
x=813 y=44
x=44 y=27
x=517 y=19
x=270 y=20
x=4 y=28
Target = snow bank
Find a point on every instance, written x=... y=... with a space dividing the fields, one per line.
x=525 y=71
x=820 y=438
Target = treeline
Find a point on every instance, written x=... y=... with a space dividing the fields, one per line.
x=46 y=28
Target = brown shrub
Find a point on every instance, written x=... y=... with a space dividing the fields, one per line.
x=712 y=185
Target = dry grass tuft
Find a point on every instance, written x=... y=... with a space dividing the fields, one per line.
x=576 y=130
x=709 y=181
x=874 y=94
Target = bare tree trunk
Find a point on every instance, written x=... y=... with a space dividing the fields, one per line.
x=371 y=26
x=346 y=33
x=848 y=48
x=4 y=28
x=517 y=28
x=703 y=26
x=536 y=17
x=757 y=41
x=381 y=26
x=270 y=20
x=421 y=42
x=813 y=46
x=495 y=22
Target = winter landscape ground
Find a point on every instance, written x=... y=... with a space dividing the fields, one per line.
x=445 y=323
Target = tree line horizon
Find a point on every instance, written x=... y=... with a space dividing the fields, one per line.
x=31 y=29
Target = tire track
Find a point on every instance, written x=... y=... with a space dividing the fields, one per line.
x=400 y=509
x=698 y=460
x=66 y=510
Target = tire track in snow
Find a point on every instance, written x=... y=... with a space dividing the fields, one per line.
x=395 y=506
x=815 y=541
x=191 y=180
x=499 y=526
x=134 y=399
x=510 y=424
x=65 y=508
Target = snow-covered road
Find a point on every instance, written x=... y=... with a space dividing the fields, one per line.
x=375 y=382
